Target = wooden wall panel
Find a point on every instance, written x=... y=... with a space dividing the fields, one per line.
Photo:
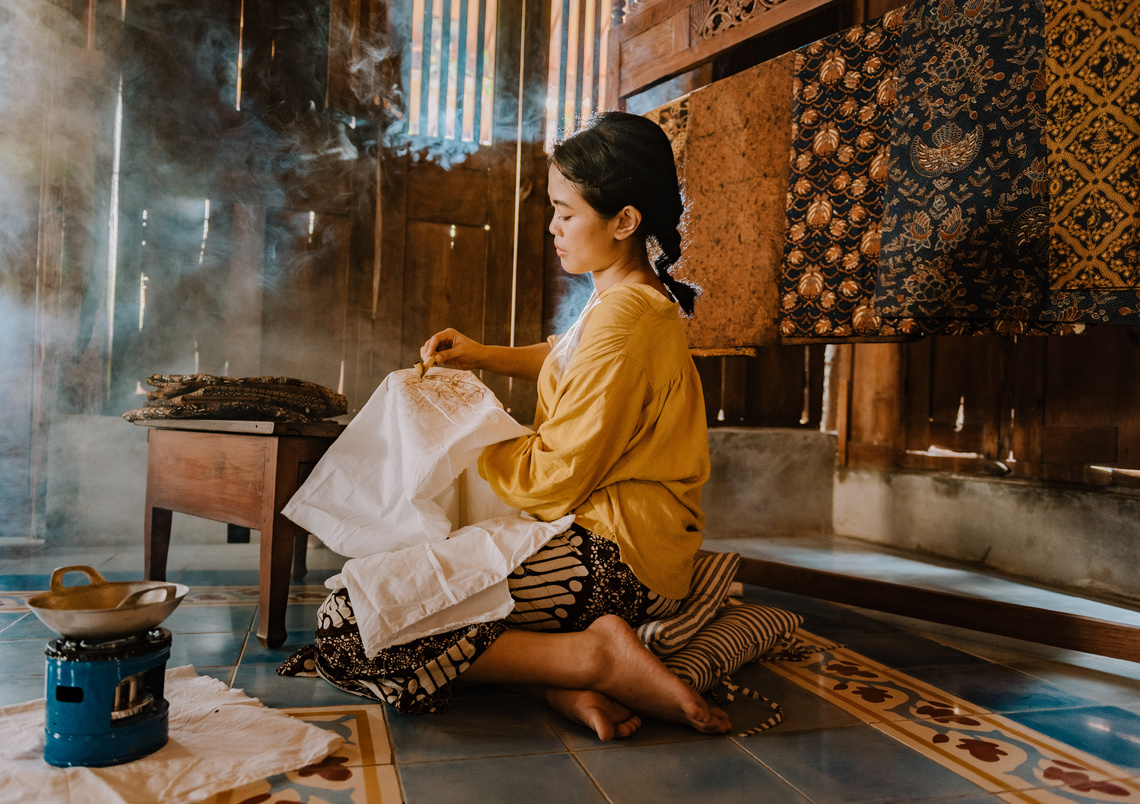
x=445 y=282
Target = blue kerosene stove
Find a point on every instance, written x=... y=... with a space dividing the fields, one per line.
x=105 y=703
x=106 y=674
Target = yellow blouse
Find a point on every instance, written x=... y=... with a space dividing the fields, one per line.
x=620 y=439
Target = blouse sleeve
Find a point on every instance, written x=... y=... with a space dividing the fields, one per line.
x=595 y=417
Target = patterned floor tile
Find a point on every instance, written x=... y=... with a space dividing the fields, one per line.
x=262 y=682
x=1082 y=790
x=682 y=773
x=192 y=619
x=300 y=620
x=8 y=619
x=534 y=779
x=472 y=728
x=1106 y=683
x=218 y=577
x=1000 y=689
x=577 y=737
x=30 y=627
x=803 y=710
x=903 y=651
x=20 y=688
x=991 y=750
x=328 y=782
x=22 y=656
x=1107 y=732
x=362 y=727
x=207 y=650
x=854 y=764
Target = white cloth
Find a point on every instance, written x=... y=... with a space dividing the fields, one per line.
x=219 y=739
x=430 y=544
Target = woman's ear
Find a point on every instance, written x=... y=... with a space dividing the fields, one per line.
x=626 y=222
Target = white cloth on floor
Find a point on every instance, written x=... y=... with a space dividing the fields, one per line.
x=430 y=544
x=219 y=739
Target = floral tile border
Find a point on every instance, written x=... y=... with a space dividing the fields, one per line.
x=996 y=753
x=360 y=771
x=376 y=784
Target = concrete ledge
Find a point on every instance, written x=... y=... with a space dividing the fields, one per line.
x=1084 y=541
x=769 y=481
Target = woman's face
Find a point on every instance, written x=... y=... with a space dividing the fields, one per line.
x=584 y=240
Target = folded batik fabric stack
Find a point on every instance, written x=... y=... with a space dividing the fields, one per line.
x=204 y=396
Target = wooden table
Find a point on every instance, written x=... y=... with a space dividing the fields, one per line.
x=241 y=473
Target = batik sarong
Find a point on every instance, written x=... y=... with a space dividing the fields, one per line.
x=572 y=581
x=966 y=217
x=842 y=113
x=1093 y=100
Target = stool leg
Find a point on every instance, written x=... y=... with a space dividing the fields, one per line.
x=300 y=549
x=156 y=542
x=277 y=542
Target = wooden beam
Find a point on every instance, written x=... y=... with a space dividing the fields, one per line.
x=643 y=66
x=1055 y=628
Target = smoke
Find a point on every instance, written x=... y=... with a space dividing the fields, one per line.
x=575 y=291
x=178 y=185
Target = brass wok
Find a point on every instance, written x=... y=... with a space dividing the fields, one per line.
x=101 y=610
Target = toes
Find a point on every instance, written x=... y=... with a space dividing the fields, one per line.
x=627 y=728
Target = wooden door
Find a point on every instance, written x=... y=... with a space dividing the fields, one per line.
x=460 y=226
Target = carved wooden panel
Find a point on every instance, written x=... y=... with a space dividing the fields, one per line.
x=711 y=17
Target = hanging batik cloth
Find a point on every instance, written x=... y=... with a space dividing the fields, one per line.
x=1094 y=159
x=843 y=99
x=731 y=139
x=966 y=216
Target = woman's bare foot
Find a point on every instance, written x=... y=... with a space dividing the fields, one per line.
x=606 y=717
x=633 y=676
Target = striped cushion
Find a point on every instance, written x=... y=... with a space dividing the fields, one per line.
x=737 y=635
x=712 y=576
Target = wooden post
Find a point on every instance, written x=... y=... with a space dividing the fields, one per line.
x=877 y=430
x=613 y=98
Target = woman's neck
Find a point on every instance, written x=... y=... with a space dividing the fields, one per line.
x=633 y=268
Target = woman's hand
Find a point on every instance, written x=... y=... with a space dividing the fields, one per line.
x=453 y=349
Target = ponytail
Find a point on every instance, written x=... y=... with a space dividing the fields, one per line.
x=684 y=293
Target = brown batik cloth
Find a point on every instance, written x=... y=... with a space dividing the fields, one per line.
x=1093 y=100
x=731 y=142
x=844 y=97
x=573 y=580
x=205 y=396
x=966 y=216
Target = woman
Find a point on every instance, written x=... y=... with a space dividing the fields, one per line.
x=619 y=441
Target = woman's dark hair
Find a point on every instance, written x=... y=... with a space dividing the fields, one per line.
x=619 y=159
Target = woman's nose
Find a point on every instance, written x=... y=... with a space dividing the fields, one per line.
x=553 y=227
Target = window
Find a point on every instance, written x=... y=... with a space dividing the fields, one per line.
x=452 y=86
x=579 y=42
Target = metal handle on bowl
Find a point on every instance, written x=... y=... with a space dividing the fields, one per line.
x=57 y=576
x=134 y=599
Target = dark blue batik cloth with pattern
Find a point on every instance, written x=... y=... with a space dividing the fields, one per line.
x=842 y=109
x=966 y=218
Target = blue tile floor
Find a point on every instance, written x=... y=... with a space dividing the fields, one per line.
x=887 y=710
